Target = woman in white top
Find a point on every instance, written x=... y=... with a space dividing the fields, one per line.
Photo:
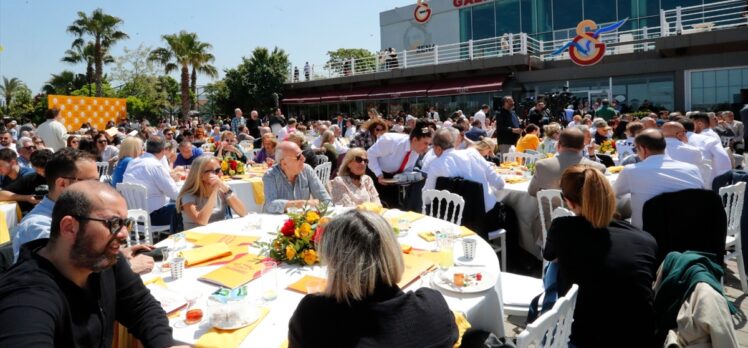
x=204 y=196
x=352 y=186
x=350 y=129
x=552 y=133
x=103 y=149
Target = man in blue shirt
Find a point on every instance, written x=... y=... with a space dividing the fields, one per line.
x=187 y=154
x=10 y=171
x=292 y=183
x=476 y=132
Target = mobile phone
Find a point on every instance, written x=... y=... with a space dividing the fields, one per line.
x=157 y=253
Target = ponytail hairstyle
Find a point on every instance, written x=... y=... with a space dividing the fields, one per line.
x=529 y=129
x=588 y=188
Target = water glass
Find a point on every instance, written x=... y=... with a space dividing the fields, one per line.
x=445 y=245
x=404 y=226
x=269 y=280
x=468 y=248
x=166 y=253
x=254 y=221
x=176 y=266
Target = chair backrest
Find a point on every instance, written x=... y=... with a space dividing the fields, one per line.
x=103 y=168
x=323 y=171
x=548 y=200
x=732 y=197
x=692 y=219
x=135 y=195
x=725 y=140
x=474 y=210
x=319 y=159
x=207 y=147
x=443 y=205
x=522 y=158
x=553 y=328
x=142 y=226
x=560 y=212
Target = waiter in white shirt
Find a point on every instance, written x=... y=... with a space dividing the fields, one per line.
x=657 y=173
x=711 y=149
x=395 y=153
x=481 y=116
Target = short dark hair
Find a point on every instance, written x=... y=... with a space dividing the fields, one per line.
x=8 y=155
x=572 y=138
x=687 y=124
x=476 y=123
x=40 y=158
x=652 y=140
x=484 y=106
x=52 y=113
x=155 y=144
x=700 y=116
x=421 y=130
x=63 y=164
x=70 y=203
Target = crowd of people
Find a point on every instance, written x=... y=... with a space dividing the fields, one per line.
x=74 y=227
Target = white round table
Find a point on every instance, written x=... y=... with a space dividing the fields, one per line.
x=483 y=310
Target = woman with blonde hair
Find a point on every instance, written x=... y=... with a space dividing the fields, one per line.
x=608 y=259
x=205 y=198
x=486 y=147
x=369 y=132
x=552 y=133
x=130 y=149
x=352 y=186
x=362 y=304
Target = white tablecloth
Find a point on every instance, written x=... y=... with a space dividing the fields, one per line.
x=243 y=190
x=11 y=218
x=483 y=310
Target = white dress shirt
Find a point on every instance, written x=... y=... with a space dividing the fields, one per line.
x=655 y=175
x=388 y=153
x=148 y=171
x=713 y=151
x=683 y=152
x=350 y=132
x=711 y=133
x=53 y=133
x=480 y=116
x=469 y=165
x=429 y=157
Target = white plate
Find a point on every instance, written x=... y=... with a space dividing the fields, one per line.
x=444 y=279
x=253 y=316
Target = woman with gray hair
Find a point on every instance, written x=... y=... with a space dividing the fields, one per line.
x=362 y=304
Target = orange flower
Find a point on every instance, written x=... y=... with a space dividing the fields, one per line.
x=290 y=252
x=309 y=256
x=324 y=220
x=305 y=230
x=312 y=217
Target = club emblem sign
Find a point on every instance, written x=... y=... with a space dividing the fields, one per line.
x=586 y=48
x=422 y=13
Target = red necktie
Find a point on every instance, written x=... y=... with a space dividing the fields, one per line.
x=405 y=162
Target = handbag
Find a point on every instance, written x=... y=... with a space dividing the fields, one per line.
x=550 y=286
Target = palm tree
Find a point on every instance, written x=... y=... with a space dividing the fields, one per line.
x=83 y=52
x=10 y=88
x=182 y=51
x=103 y=28
x=64 y=83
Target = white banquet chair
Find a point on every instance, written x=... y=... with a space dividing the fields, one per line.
x=135 y=196
x=142 y=222
x=432 y=205
x=527 y=158
x=553 y=328
x=323 y=172
x=206 y=147
x=733 y=196
x=103 y=168
x=546 y=202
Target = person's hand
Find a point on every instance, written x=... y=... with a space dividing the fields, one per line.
x=214 y=180
x=517 y=130
x=312 y=202
x=269 y=161
x=129 y=251
x=141 y=264
x=30 y=199
x=382 y=181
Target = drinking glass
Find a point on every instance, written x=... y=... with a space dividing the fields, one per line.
x=445 y=244
x=269 y=279
x=404 y=226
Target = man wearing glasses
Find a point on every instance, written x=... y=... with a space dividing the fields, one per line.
x=25 y=147
x=291 y=183
x=68 y=290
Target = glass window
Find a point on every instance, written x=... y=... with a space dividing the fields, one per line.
x=648 y=7
x=671 y=4
x=697 y=79
x=735 y=77
x=466 y=24
x=710 y=96
x=507 y=17
x=626 y=9
x=649 y=22
x=484 y=23
x=567 y=14
x=721 y=79
x=600 y=11
x=722 y=95
x=697 y=96
x=745 y=76
x=709 y=79
x=536 y=16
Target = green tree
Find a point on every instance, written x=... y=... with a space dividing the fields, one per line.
x=183 y=50
x=200 y=61
x=217 y=94
x=10 y=88
x=253 y=83
x=106 y=90
x=365 y=59
x=103 y=28
x=64 y=83
x=83 y=52
x=22 y=104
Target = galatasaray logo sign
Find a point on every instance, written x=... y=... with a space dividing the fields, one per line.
x=422 y=13
x=586 y=48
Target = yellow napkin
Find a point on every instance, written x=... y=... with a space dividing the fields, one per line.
x=228 y=338
x=514 y=180
x=205 y=253
x=615 y=169
x=508 y=164
x=409 y=215
x=192 y=236
x=4 y=232
x=430 y=237
x=284 y=344
x=301 y=284
x=462 y=326
x=258 y=189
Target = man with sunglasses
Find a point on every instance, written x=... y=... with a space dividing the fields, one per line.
x=25 y=147
x=291 y=183
x=68 y=290
x=65 y=168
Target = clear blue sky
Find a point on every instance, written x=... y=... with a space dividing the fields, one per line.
x=33 y=36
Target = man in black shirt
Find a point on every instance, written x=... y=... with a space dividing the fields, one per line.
x=507 y=126
x=537 y=114
x=254 y=123
x=68 y=290
x=29 y=189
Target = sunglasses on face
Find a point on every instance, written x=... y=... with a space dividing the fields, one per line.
x=74 y=141
x=298 y=157
x=216 y=171
x=30 y=147
x=360 y=159
x=114 y=224
x=102 y=141
x=39 y=142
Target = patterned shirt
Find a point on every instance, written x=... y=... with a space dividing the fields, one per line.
x=278 y=190
x=362 y=139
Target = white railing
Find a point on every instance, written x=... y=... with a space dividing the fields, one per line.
x=681 y=20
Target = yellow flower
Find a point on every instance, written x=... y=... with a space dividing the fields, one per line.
x=297 y=233
x=240 y=168
x=276 y=245
x=309 y=256
x=224 y=166
x=305 y=230
x=290 y=252
x=324 y=220
x=312 y=217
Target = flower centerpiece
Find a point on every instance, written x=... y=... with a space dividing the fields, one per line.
x=296 y=240
x=608 y=147
x=232 y=166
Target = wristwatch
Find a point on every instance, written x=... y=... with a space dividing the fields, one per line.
x=228 y=193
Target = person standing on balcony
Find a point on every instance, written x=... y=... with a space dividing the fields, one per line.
x=296 y=74
x=307 y=71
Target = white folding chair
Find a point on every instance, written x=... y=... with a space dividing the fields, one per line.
x=103 y=168
x=432 y=205
x=527 y=158
x=499 y=235
x=321 y=159
x=561 y=211
x=323 y=171
x=143 y=222
x=553 y=328
x=733 y=196
x=135 y=196
x=547 y=201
